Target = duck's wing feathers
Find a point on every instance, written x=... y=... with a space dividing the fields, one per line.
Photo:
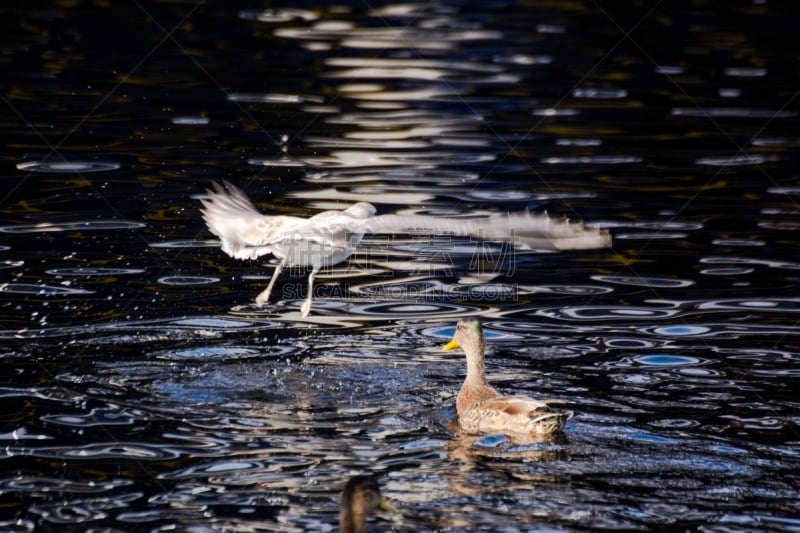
x=513 y=415
x=517 y=405
x=245 y=233
x=525 y=229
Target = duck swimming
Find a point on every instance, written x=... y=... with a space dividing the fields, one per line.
x=482 y=409
x=360 y=497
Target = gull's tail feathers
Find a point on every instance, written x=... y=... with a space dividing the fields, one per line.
x=523 y=229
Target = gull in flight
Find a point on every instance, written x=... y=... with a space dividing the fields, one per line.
x=330 y=237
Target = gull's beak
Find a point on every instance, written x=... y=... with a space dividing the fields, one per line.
x=452 y=345
x=384 y=505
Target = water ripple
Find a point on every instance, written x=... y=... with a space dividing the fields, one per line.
x=412 y=309
x=523 y=59
x=82 y=511
x=371 y=159
x=556 y=112
x=42 y=290
x=669 y=225
x=783 y=225
x=576 y=290
x=222 y=353
x=731 y=112
x=600 y=94
x=94 y=271
x=661 y=283
x=10 y=263
x=190 y=121
x=791 y=305
x=746 y=72
x=221 y=468
x=442 y=177
x=738 y=242
x=185 y=244
x=22 y=433
x=579 y=142
x=729 y=330
x=761 y=355
x=188 y=280
x=45 y=393
x=684 y=330
x=80 y=225
x=607 y=313
x=32 y=483
x=731 y=260
x=96 y=417
x=384 y=38
x=592 y=160
x=666 y=360
x=674 y=423
x=279 y=15
x=649 y=236
x=791 y=191
x=670 y=70
x=625 y=343
x=421 y=69
x=282 y=162
x=145 y=331
x=68 y=513
x=67 y=166
x=732 y=161
x=274 y=98
x=97 y=451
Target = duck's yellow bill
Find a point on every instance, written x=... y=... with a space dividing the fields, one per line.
x=386 y=506
x=452 y=345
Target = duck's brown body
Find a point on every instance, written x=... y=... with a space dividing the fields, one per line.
x=482 y=409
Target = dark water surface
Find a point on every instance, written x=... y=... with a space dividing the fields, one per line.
x=142 y=391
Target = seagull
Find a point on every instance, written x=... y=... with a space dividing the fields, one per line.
x=330 y=237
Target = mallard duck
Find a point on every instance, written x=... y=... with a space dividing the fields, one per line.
x=360 y=496
x=482 y=409
x=330 y=237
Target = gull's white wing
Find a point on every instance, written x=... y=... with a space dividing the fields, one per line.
x=524 y=229
x=245 y=233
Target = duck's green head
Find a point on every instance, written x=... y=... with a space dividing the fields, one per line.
x=465 y=329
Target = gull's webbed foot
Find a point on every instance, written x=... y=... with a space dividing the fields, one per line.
x=263 y=298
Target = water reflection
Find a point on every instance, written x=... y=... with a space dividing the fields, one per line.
x=78 y=167
x=139 y=393
x=42 y=290
x=87 y=225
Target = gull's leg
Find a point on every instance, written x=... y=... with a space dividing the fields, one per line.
x=307 y=304
x=263 y=298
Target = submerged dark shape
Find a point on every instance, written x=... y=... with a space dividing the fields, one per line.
x=360 y=497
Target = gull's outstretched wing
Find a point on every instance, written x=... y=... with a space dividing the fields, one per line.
x=524 y=229
x=245 y=233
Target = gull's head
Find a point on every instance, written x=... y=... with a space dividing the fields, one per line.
x=361 y=210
